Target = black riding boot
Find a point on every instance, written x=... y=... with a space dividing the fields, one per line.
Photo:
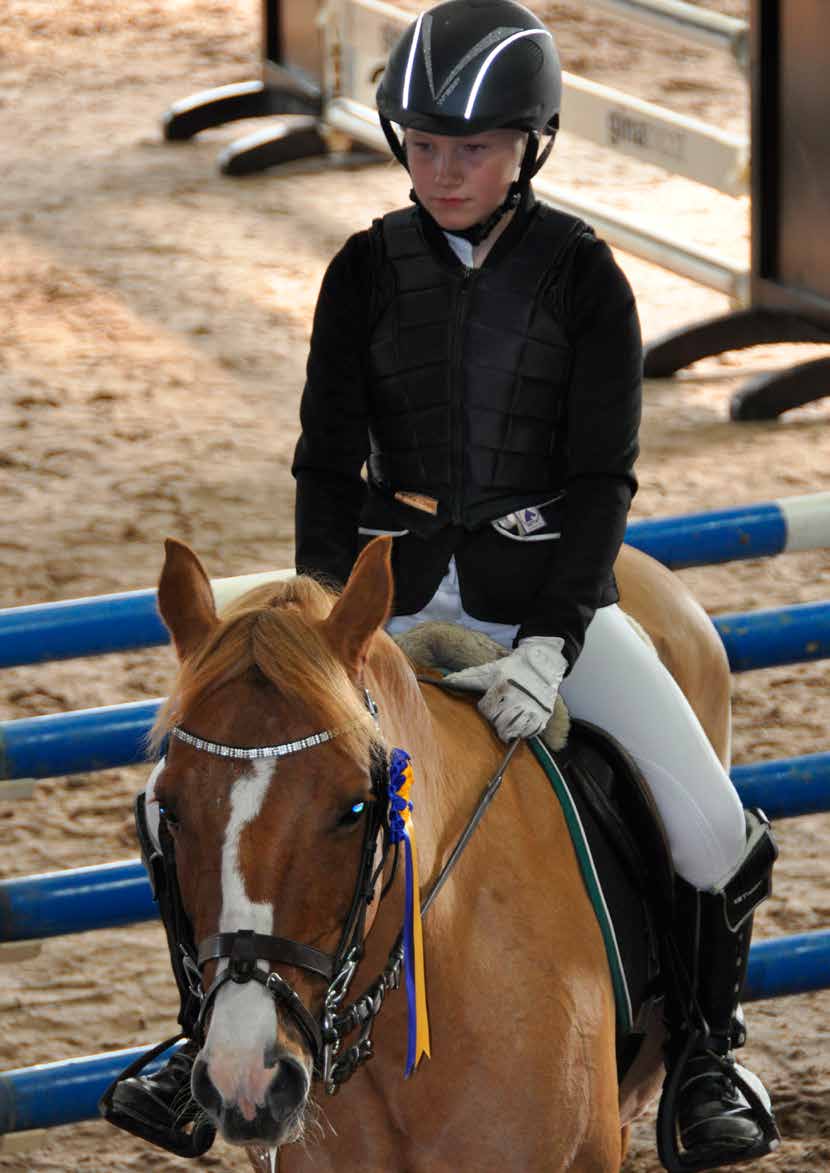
x=159 y=1107
x=713 y=1112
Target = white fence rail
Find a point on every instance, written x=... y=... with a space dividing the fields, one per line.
x=357 y=36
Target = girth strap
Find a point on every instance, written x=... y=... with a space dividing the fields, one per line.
x=245 y=947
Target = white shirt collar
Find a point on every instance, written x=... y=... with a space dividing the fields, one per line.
x=462 y=248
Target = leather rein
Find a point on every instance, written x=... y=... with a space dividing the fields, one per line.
x=243 y=948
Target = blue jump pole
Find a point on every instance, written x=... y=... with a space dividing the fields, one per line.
x=729 y=535
x=75 y=900
x=128 y=621
x=788 y=965
x=99 y=739
x=67 y=1092
x=77 y=742
x=781 y=635
x=100 y=624
x=63 y=1092
x=80 y=627
x=755 y=639
x=787 y=787
x=115 y=894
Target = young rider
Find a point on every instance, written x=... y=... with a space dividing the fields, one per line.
x=480 y=353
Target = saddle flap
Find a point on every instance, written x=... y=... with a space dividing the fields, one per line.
x=615 y=788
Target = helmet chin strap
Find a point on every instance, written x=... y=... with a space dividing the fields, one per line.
x=531 y=162
x=477 y=232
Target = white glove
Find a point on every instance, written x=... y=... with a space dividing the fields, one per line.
x=520 y=689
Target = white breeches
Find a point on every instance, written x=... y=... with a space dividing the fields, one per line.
x=619 y=684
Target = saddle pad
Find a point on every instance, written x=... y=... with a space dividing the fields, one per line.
x=448 y=647
x=593 y=885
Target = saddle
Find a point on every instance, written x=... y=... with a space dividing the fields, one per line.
x=617 y=832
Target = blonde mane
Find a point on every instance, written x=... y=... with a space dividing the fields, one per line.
x=274 y=630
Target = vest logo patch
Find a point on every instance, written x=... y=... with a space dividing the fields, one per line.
x=529 y=520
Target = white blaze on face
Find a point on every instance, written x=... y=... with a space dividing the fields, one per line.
x=243 y=1024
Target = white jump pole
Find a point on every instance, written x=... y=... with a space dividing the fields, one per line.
x=626 y=232
x=690 y=22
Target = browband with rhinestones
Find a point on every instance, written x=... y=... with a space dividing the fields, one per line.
x=249 y=753
x=258 y=751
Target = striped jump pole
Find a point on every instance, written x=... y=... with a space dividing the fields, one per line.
x=753 y=639
x=114 y=735
x=128 y=621
x=67 y=1092
x=112 y=895
x=57 y=745
x=730 y=535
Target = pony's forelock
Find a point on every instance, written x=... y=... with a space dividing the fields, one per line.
x=276 y=628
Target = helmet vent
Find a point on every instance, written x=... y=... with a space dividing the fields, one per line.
x=479 y=48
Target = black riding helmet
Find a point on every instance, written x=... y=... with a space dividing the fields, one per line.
x=467 y=66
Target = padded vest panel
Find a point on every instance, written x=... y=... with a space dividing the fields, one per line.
x=468 y=369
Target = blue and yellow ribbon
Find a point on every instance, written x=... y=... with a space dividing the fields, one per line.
x=402 y=830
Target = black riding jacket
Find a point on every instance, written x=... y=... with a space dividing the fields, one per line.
x=484 y=390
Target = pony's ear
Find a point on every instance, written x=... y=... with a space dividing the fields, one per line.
x=364 y=605
x=185 y=598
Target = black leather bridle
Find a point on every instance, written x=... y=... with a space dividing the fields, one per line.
x=243 y=948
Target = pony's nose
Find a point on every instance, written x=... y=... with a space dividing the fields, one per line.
x=288 y=1088
x=242 y=1121
x=205 y=1091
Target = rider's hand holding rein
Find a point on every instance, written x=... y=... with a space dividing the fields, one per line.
x=519 y=690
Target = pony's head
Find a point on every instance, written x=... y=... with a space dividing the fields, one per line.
x=272 y=804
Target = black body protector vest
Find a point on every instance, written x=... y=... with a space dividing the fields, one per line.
x=468 y=370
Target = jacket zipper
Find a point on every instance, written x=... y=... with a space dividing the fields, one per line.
x=457 y=400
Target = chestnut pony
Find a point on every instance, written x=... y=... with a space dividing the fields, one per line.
x=523 y=1071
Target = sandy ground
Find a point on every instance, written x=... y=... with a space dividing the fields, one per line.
x=152 y=339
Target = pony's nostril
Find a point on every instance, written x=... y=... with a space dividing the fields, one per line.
x=288 y=1088
x=204 y=1090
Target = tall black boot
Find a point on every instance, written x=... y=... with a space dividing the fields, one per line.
x=713 y=1112
x=160 y=1107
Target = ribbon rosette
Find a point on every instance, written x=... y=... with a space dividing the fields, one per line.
x=402 y=830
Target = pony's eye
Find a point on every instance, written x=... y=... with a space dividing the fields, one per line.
x=353 y=815
x=168 y=815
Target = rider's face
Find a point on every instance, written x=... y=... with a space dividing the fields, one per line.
x=460 y=181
